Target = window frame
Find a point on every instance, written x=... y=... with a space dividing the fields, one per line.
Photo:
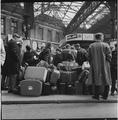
x=49 y=35
x=14 y=25
x=42 y=32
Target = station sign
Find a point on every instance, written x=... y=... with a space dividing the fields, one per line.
x=76 y=36
x=88 y=36
x=71 y=36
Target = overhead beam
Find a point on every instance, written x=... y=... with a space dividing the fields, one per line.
x=98 y=12
x=86 y=10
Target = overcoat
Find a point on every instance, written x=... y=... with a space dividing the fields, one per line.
x=45 y=55
x=99 y=54
x=12 y=61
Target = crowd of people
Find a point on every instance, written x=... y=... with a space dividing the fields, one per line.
x=102 y=71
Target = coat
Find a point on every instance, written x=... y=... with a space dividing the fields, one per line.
x=12 y=61
x=99 y=54
x=114 y=64
x=28 y=58
x=57 y=59
x=45 y=55
x=81 y=56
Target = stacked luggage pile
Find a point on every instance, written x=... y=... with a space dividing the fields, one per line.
x=46 y=80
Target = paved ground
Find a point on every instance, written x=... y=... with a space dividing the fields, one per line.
x=9 y=98
x=57 y=107
x=54 y=111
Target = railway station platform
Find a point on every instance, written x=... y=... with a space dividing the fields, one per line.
x=9 y=98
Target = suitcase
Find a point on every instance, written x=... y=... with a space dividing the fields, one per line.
x=38 y=73
x=31 y=87
x=62 y=88
x=78 y=88
x=48 y=75
x=83 y=76
x=46 y=89
x=55 y=75
x=67 y=66
x=70 y=89
x=68 y=77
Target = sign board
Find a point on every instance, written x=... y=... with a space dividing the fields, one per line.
x=79 y=36
x=87 y=36
x=74 y=37
x=71 y=36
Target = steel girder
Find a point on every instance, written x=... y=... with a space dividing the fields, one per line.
x=86 y=10
x=98 y=12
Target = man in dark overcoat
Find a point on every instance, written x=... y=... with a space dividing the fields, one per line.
x=12 y=62
x=114 y=70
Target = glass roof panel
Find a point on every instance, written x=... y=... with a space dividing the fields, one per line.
x=64 y=11
x=98 y=14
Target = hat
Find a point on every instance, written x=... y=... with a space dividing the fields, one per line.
x=99 y=36
x=16 y=35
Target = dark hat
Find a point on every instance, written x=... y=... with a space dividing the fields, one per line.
x=16 y=35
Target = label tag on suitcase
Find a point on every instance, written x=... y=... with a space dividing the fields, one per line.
x=30 y=88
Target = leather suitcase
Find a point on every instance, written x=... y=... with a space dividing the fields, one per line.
x=30 y=87
x=62 y=88
x=68 y=77
x=46 y=89
x=70 y=90
x=55 y=75
x=38 y=73
x=78 y=88
x=48 y=75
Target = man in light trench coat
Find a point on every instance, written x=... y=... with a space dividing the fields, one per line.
x=99 y=57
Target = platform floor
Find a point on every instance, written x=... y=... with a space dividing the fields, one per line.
x=9 y=98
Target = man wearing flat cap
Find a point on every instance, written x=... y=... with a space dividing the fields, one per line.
x=12 y=62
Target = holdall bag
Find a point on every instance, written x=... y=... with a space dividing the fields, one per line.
x=31 y=87
x=55 y=75
x=38 y=73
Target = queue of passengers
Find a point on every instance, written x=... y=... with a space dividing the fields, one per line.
x=95 y=55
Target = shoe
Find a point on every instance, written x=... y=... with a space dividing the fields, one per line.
x=104 y=98
x=112 y=94
x=9 y=91
x=95 y=97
